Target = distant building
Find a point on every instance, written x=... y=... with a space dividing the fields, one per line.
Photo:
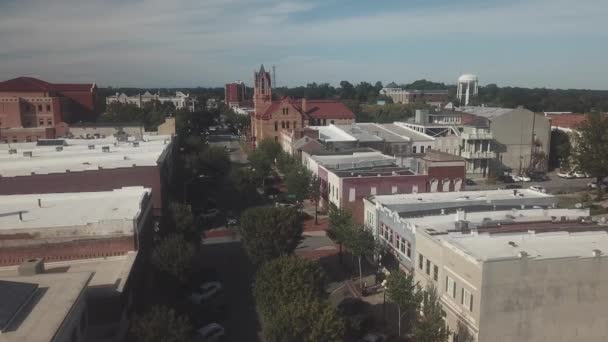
x=180 y=100
x=468 y=87
x=434 y=97
x=81 y=165
x=234 y=94
x=271 y=116
x=32 y=109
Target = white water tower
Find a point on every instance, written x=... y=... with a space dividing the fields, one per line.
x=467 y=87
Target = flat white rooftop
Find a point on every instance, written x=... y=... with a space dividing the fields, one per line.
x=354 y=160
x=560 y=244
x=460 y=197
x=62 y=292
x=333 y=133
x=70 y=209
x=77 y=156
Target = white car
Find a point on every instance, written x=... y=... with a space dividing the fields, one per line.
x=579 y=174
x=206 y=291
x=524 y=179
x=538 y=188
x=210 y=333
x=516 y=178
x=565 y=175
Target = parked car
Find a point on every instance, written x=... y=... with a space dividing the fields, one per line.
x=206 y=292
x=567 y=175
x=579 y=174
x=516 y=178
x=524 y=178
x=593 y=185
x=538 y=188
x=284 y=205
x=212 y=332
x=506 y=179
x=468 y=181
x=373 y=338
x=538 y=177
x=513 y=186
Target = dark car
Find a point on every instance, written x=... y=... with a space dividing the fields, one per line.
x=506 y=179
x=469 y=182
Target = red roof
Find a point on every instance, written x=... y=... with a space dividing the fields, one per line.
x=315 y=109
x=30 y=84
x=566 y=120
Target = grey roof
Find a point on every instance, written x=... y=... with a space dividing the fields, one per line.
x=359 y=133
x=13 y=297
x=410 y=133
x=487 y=112
x=382 y=132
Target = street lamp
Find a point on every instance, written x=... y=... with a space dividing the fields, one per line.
x=383 y=284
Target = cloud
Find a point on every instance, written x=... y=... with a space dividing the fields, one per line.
x=193 y=42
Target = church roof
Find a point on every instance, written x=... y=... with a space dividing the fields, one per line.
x=315 y=109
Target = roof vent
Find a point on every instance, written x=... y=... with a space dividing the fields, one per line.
x=12 y=151
x=522 y=254
x=125 y=158
x=105 y=148
x=91 y=147
x=58 y=148
x=512 y=244
x=31 y=267
x=27 y=154
x=596 y=253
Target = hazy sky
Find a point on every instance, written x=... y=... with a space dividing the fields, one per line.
x=155 y=43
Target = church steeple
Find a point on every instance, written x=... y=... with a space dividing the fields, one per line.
x=262 y=90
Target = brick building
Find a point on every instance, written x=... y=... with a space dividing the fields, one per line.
x=234 y=94
x=32 y=109
x=83 y=165
x=287 y=113
x=69 y=226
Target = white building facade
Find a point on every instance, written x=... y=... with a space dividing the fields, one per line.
x=180 y=100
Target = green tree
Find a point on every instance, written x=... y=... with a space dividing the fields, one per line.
x=261 y=166
x=560 y=150
x=305 y=319
x=360 y=242
x=173 y=256
x=462 y=333
x=269 y=233
x=282 y=279
x=403 y=291
x=212 y=162
x=270 y=148
x=285 y=162
x=183 y=222
x=430 y=326
x=591 y=152
x=314 y=194
x=340 y=222
x=160 y=324
x=298 y=183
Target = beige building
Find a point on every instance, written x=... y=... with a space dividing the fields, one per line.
x=541 y=280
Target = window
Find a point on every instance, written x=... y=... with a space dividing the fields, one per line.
x=467 y=299
x=282 y=124
x=41 y=122
x=414 y=149
x=276 y=139
x=276 y=126
x=421 y=149
x=48 y=108
x=372 y=190
x=351 y=194
x=331 y=122
x=428 y=267
x=49 y=122
x=40 y=108
x=408 y=249
x=401 y=244
x=450 y=286
x=390 y=237
x=435 y=273
x=295 y=125
x=324 y=122
x=287 y=124
x=420 y=261
x=394 y=189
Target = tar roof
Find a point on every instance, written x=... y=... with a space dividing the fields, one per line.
x=461 y=196
x=70 y=209
x=78 y=156
x=559 y=244
x=14 y=296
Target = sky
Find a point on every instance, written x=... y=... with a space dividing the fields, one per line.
x=189 y=43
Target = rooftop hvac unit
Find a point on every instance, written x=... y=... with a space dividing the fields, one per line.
x=31 y=267
x=27 y=154
x=58 y=148
x=12 y=151
x=91 y=147
x=105 y=148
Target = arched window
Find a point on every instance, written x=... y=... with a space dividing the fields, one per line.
x=287 y=124
x=282 y=124
x=276 y=126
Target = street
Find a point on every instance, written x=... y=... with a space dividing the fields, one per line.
x=231 y=142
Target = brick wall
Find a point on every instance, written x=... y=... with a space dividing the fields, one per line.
x=79 y=249
x=90 y=180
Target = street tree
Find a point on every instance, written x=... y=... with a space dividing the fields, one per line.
x=591 y=152
x=314 y=194
x=406 y=294
x=183 y=222
x=306 y=319
x=160 y=324
x=269 y=233
x=298 y=183
x=270 y=148
x=430 y=326
x=340 y=222
x=360 y=242
x=214 y=162
x=285 y=162
x=173 y=256
x=282 y=279
x=261 y=165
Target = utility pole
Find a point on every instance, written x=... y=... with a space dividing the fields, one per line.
x=274 y=76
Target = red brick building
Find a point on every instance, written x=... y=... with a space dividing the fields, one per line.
x=234 y=94
x=287 y=113
x=32 y=109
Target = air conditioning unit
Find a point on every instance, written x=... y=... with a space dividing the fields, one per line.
x=91 y=147
x=136 y=144
x=27 y=154
x=105 y=148
x=12 y=151
x=58 y=148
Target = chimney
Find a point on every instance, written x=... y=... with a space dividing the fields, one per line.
x=304 y=105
